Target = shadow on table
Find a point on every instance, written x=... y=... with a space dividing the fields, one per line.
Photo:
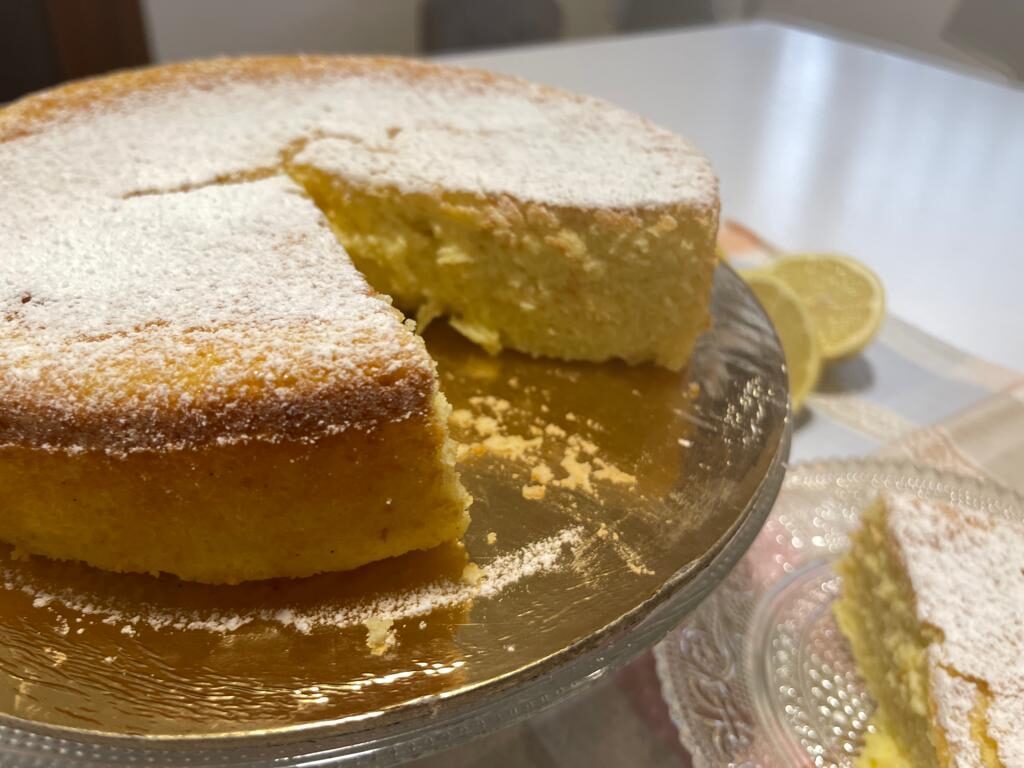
x=846 y=377
x=801 y=418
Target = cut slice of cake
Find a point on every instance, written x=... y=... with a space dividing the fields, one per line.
x=204 y=386
x=933 y=605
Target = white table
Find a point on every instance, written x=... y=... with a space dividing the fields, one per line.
x=915 y=169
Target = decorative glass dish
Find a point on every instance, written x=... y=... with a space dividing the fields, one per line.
x=760 y=676
x=609 y=501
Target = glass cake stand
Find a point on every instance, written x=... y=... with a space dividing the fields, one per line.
x=609 y=501
x=760 y=676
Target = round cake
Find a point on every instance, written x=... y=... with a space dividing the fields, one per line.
x=201 y=368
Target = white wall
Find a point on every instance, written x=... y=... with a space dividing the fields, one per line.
x=183 y=29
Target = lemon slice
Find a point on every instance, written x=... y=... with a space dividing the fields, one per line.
x=844 y=298
x=796 y=331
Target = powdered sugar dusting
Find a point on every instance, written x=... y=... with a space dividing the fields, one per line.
x=955 y=699
x=495 y=577
x=569 y=153
x=414 y=125
x=108 y=297
x=192 y=302
x=967 y=571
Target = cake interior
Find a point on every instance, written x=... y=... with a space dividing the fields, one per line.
x=254 y=510
x=877 y=614
x=521 y=275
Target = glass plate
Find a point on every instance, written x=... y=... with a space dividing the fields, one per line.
x=653 y=485
x=760 y=675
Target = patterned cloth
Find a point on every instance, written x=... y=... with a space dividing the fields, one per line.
x=907 y=395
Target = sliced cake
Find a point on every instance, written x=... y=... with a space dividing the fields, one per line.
x=195 y=375
x=933 y=606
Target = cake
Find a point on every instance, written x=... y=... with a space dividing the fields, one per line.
x=933 y=605
x=202 y=367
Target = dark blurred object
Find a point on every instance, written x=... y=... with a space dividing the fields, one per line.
x=44 y=42
x=26 y=63
x=635 y=15
x=458 y=25
x=991 y=30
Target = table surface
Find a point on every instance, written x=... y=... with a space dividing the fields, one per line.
x=820 y=144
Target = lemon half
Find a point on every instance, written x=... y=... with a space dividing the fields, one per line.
x=795 y=329
x=845 y=299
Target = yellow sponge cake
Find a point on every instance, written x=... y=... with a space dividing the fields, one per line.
x=197 y=377
x=933 y=605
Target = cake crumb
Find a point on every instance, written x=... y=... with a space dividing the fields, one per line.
x=602 y=531
x=498 y=405
x=465 y=451
x=423 y=625
x=534 y=492
x=485 y=426
x=577 y=472
x=541 y=474
x=380 y=635
x=554 y=430
x=613 y=474
x=461 y=418
x=492 y=538
x=472 y=575
x=570 y=416
x=510 y=648
x=511 y=446
x=684 y=442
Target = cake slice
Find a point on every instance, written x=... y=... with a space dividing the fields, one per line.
x=201 y=383
x=933 y=606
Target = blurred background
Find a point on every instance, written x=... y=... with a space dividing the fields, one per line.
x=43 y=42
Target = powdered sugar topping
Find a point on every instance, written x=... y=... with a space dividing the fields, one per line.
x=967 y=572
x=103 y=289
x=503 y=572
x=416 y=126
x=195 y=301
